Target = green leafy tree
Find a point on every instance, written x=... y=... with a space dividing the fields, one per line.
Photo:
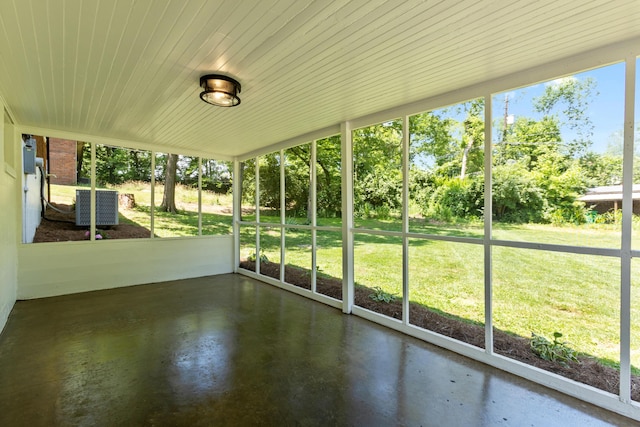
x=298 y=180
x=601 y=169
x=567 y=100
x=217 y=175
x=378 y=168
x=329 y=177
x=269 y=172
x=527 y=140
x=472 y=138
x=454 y=147
x=516 y=195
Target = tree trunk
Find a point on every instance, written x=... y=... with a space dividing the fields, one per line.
x=169 y=195
x=465 y=155
x=79 y=159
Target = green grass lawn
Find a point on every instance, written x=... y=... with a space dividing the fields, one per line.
x=216 y=209
x=533 y=291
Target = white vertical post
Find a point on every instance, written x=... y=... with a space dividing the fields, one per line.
x=92 y=199
x=236 y=186
x=405 y=219
x=488 y=286
x=347 y=216
x=153 y=193
x=314 y=220
x=627 y=212
x=283 y=216
x=257 y=204
x=199 y=196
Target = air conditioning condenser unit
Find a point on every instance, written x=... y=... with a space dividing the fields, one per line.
x=106 y=207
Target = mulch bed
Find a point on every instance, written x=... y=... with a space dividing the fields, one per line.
x=587 y=371
x=61 y=227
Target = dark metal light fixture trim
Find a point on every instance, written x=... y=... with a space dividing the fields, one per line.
x=220 y=90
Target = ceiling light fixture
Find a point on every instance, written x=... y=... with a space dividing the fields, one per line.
x=219 y=90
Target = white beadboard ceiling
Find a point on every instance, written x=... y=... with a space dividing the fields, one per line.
x=130 y=69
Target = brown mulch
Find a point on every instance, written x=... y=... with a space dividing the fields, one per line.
x=588 y=371
x=61 y=227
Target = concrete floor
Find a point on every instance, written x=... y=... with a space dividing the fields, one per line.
x=227 y=350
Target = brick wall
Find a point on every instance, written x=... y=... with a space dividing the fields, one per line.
x=62 y=161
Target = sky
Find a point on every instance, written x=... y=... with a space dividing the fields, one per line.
x=606 y=109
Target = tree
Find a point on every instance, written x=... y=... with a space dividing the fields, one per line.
x=269 y=170
x=169 y=194
x=453 y=145
x=527 y=140
x=572 y=97
x=473 y=132
x=516 y=195
x=377 y=168
x=329 y=177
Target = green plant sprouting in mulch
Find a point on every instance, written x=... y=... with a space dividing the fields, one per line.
x=553 y=351
x=380 y=295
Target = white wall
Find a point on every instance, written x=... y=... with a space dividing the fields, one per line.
x=31 y=205
x=8 y=230
x=49 y=269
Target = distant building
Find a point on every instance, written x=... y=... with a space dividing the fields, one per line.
x=609 y=198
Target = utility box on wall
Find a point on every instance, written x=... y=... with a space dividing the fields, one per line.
x=29 y=160
x=106 y=207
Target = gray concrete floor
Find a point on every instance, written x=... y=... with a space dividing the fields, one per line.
x=228 y=350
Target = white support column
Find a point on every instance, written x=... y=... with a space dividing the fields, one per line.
x=405 y=220
x=92 y=199
x=199 y=196
x=627 y=212
x=236 y=186
x=314 y=220
x=257 y=203
x=347 y=217
x=283 y=216
x=488 y=287
x=153 y=193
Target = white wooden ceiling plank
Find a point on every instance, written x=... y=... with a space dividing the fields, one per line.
x=180 y=74
x=187 y=13
x=146 y=72
x=329 y=58
x=52 y=41
x=29 y=37
x=107 y=25
x=249 y=21
x=319 y=61
x=146 y=18
x=75 y=35
x=318 y=48
x=292 y=39
x=14 y=57
x=249 y=41
x=118 y=33
x=162 y=119
x=89 y=63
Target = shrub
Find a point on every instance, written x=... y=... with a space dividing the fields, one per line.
x=455 y=198
x=381 y=295
x=556 y=351
x=516 y=197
